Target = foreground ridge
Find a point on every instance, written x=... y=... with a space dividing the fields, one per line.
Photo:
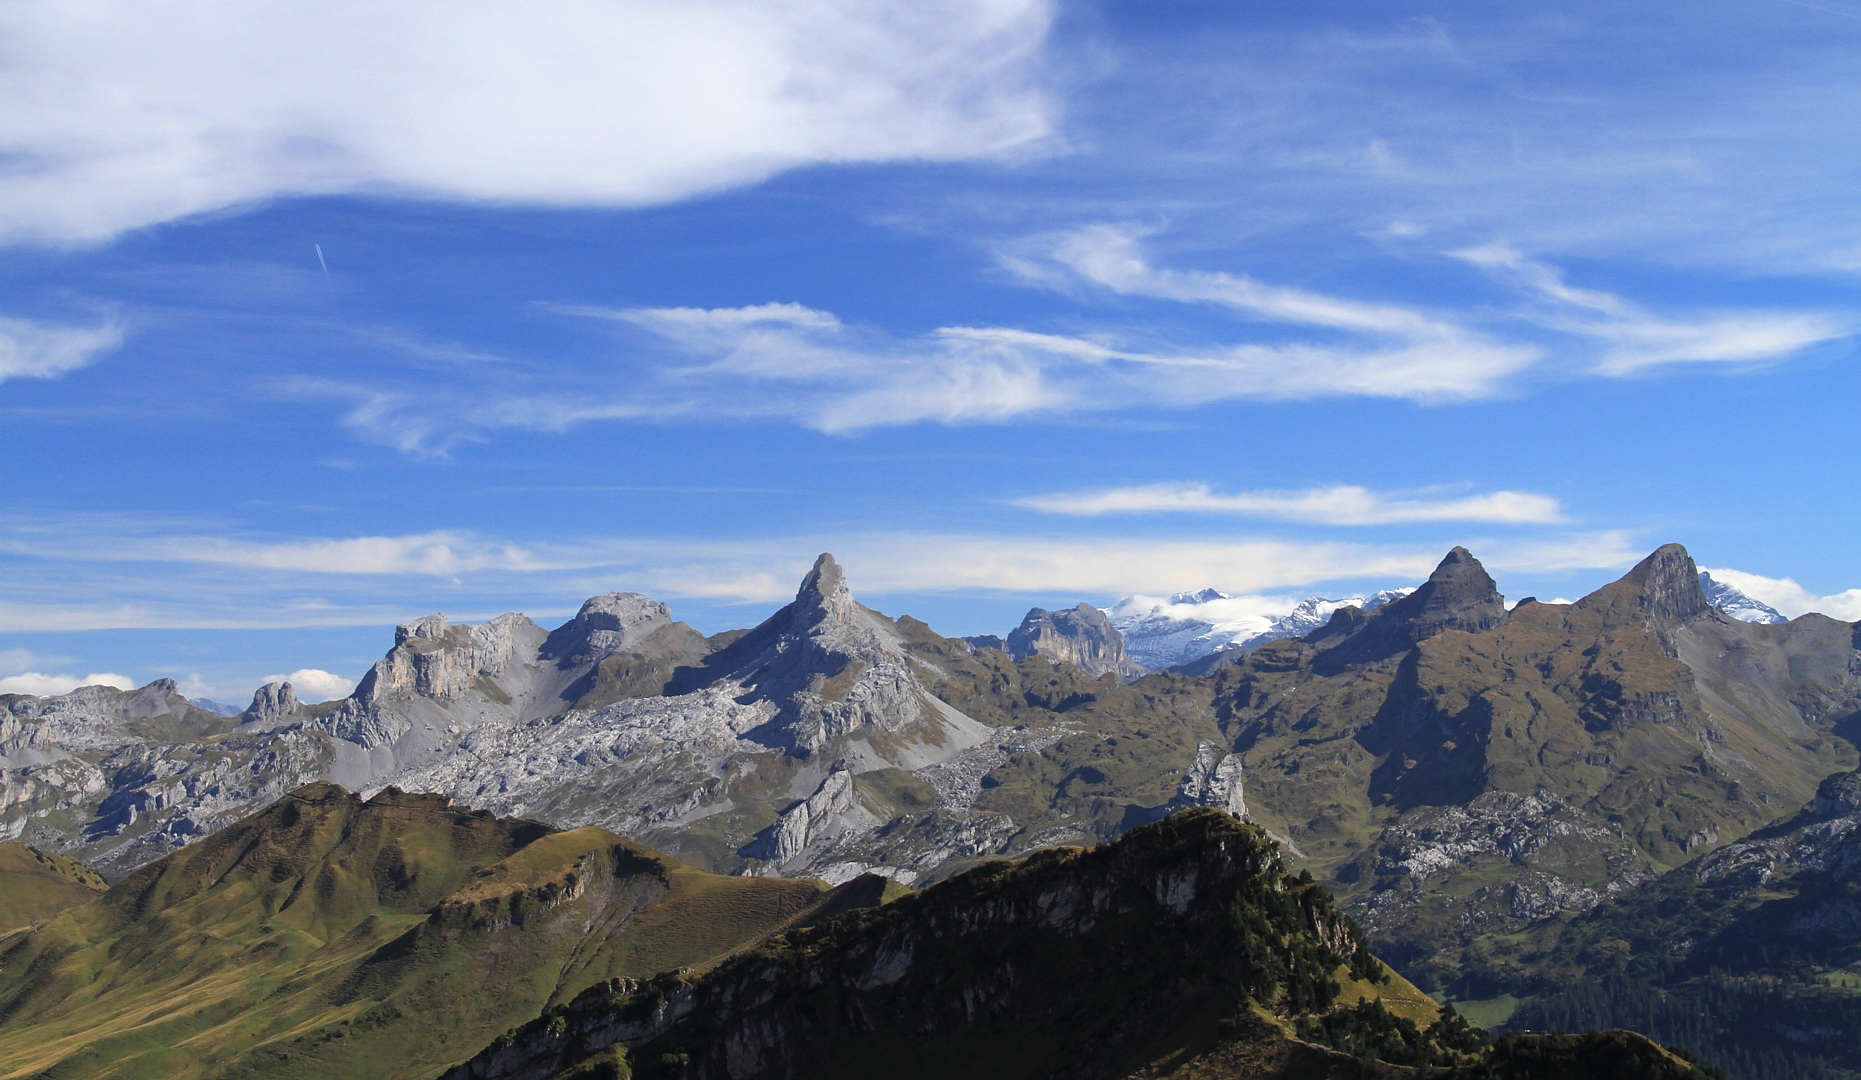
x=1184 y=949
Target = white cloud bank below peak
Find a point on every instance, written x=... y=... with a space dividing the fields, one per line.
x=314 y=684
x=115 y=115
x=39 y=685
x=1336 y=505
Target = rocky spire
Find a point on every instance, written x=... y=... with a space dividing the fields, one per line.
x=1662 y=590
x=1669 y=584
x=271 y=703
x=824 y=596
x=1459 y=595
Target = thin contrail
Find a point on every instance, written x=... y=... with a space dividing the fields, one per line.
x=320 y=262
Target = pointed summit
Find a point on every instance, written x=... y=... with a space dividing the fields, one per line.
x=1662 y=588
x=1459 y=595
x=824 y=598
x=1670 y=587
x=825 y=581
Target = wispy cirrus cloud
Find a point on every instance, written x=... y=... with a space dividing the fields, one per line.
x=35 y=350
x=1337 y=505
x=1633 y=339
x=790 y=362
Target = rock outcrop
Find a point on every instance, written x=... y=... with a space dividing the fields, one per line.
x=1214 y=779
x=1083 y=637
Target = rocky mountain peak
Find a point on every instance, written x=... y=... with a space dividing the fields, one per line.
x=824 y=594
x=1662 y=590
x=1669 y=583
x=1083 y=637
x=270 y=703
x=609 y=623
x=430 y=628
x=1459 y=595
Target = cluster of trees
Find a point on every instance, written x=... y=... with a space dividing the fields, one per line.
x=1757 y=1028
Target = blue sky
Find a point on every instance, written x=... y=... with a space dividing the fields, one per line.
x=314 y=319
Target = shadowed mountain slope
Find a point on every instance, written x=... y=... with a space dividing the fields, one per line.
x=388 y=938
x=1497 y=770
x=1751 y=954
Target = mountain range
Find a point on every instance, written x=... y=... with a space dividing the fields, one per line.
x=1187 y=626
x=1460 y=773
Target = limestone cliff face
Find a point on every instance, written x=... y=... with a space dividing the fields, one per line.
x=1214 y=779
x=435 y=659
x=1083 y=637
x=272 y=704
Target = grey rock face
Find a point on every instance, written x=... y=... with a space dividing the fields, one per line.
x=272 y=704
x=1083 y=637
x=830 y=813
x=1214 y=779
x=615 y=622
x=491 y=715
x=1826 y=836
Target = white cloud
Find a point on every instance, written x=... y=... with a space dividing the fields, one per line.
x=32 y=682
x=1338 y=505
x=1121 y=566
x=1790 y=598
x=783 y=360
x=1633 y=339
x=115 y=115
x=788 y=361
x=60 y=583
x=33 y=350
x=314 y=684
x=439 y=554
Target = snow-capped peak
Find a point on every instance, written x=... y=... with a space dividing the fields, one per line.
x=1163 y=632
x=1737 y=604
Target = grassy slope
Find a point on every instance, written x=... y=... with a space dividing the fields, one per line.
x=327 y=936
x=36 y=885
